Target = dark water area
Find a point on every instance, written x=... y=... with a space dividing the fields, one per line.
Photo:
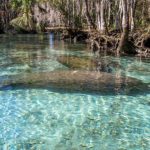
x=33 y=117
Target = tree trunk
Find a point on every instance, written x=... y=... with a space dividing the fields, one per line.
x=88 y=17
x=132 y=13
x=6 y=14
x=103 y=25
x=125 y=45
x=97 y=8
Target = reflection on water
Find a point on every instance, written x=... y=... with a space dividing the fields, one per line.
x=43 y=119
x=34 y=53
x=51 y=38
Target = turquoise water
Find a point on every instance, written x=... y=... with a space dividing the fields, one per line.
x=44 y=119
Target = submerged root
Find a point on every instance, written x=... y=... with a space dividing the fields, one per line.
x=109 y=43
x=103 y=43
x=142 y=43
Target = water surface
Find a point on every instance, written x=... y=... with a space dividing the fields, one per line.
x=33 y=118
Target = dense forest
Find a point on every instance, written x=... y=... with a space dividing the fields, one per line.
x=120 y=26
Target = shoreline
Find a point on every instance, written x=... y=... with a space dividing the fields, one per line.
x=101 y=43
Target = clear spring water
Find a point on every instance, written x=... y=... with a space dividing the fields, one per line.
x=41 y=119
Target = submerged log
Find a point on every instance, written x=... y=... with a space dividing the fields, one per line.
x=78 y=81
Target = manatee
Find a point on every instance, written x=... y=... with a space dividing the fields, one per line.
x=29 y=46
x=89 y=64
x=78 y=81
x=77 y=62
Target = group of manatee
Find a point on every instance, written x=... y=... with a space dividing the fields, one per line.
x=84 y=75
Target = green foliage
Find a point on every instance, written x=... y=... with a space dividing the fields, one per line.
x=24 y=21
x=73 y=11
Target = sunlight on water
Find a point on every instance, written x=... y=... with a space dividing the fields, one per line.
x=42 y=119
